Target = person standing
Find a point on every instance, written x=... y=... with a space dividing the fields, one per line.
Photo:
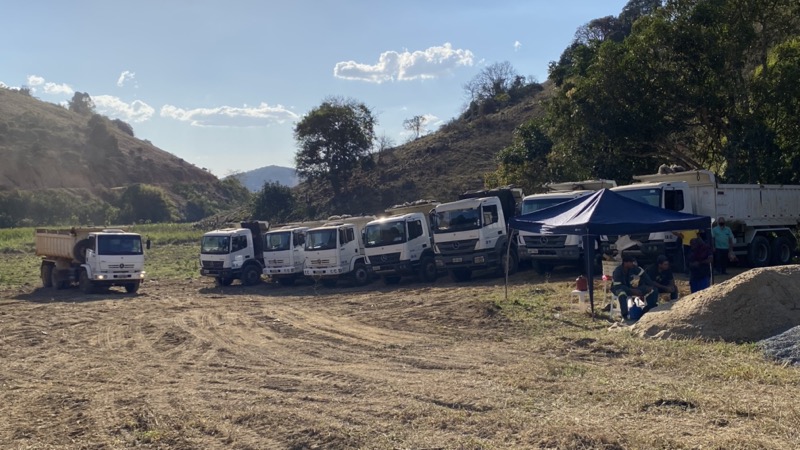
x=622 y=283
x=723 y=245
x=686 y=237
x=663 y=281
x=700 y=258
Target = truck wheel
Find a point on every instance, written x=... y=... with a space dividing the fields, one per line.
x=86 y=285
x=360 y=274
x=286 y=281
x=758 y=255
x=132 y=288
x=461 y=275
x=781 y=252
x=510 y=260
x=251 y=275
x=428 y=270
x=79 y=250
x=55 y=279
x=47 y=275
x=391 y=279
x=223 y=281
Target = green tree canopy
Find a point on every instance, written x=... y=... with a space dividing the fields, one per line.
x=274 y=202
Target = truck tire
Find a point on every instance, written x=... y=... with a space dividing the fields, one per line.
x=47 y=275
x=132 y=288
x=251 y=275
x=56 y=281
x=86 y=285
x=781 y=251
x=428 y=271
x=758 y=253
x=79 y=250
x=223 y=281
x=360 y=274
x=512 y=261
x=461 y=275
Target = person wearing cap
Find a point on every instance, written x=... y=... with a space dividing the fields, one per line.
x=663 y=281
x=622 y=282
x=723 y=245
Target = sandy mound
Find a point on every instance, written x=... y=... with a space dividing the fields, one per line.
x=754 y=305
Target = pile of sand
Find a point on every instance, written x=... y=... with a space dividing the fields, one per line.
x=754 y=305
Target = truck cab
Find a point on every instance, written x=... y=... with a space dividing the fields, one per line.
x=472 y=234
x=336 y=250
x=284 y=253
x=401 y=245
x=547 y=250
x=231 y=254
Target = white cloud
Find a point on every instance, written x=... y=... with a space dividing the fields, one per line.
x=431 y=121
x=517 y=45
x=136 y=111
x=35 y=80
x=55 y=89
x=125 y=77
x=406 y=66
x=230 y=116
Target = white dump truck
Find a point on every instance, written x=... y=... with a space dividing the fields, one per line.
x=336 y=250
x=91 y=257
x=548 y=250
x=284 y=251
x=763 y=218
x=235 y=253
x=402 y=243
x=472 y=233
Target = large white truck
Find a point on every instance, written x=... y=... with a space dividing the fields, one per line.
x=764 y=218
x=402 y=243
x=336 y=251
x=472 y=234
x=284 y=251
x=235 y=253
x=548 y=250
x=91 y=257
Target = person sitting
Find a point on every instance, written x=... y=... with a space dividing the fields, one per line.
x=663 y=281
x=700 y=260
x=624 y=284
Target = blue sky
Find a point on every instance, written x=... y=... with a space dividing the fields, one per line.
x=221 y=84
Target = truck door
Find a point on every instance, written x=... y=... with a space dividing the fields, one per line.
x=493 y=229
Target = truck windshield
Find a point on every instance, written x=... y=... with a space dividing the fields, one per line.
x=278 y=241
x=535 y=204
x=321 y=239
x=119 y=245
x=650 y=197
x=456 y=220
x=215 y=245
x=387 y=233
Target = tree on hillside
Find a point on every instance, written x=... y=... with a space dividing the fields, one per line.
x=274 y=202
x=524 y=162
x=415 y=125
x=332 y=139
x=492 y=82
x=81 y=103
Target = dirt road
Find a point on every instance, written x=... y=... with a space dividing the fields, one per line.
x=187 y=365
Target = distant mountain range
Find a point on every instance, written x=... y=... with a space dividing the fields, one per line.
x=254 y=179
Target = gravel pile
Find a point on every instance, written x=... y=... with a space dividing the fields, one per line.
x=785 y=347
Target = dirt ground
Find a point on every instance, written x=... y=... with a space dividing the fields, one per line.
x=187 y=365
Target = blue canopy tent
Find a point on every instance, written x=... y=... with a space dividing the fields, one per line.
x=605 y=213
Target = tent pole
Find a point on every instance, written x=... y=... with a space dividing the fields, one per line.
x=589 y=251
x=508 y=256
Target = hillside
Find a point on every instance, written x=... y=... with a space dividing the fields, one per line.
x=60 y=166
x=254 y=179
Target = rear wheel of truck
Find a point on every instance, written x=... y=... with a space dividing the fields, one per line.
x=132 y=288
x=758 y=255
x=86 y=285
x=781 y=251
x=223 y=281
x=461 y=275
x=286 y=281
x=360 y=274
x=428 y=271
x=47 y=275
x=55 y=279
x=251 y=275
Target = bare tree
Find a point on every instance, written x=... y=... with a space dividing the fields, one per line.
x=493 y=80
x=415 y=125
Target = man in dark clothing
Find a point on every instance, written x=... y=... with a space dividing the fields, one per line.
x=663 y=281
x=700 y=258
x=622 y=283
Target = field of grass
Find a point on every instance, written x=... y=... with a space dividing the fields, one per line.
x=173 y=253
